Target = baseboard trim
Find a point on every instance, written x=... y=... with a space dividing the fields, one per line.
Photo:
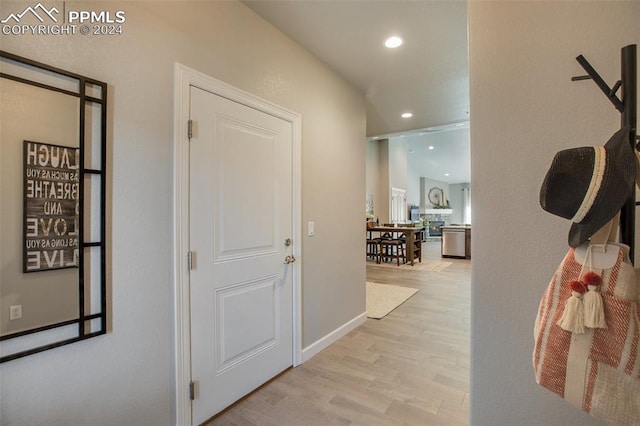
x=320 y=344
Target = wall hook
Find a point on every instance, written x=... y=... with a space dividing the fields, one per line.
x=593 y=75
x=627 y=104
x=615 y=89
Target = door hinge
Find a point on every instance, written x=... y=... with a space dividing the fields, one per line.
x=192 y=390
x=190 y=260
x=190 y=129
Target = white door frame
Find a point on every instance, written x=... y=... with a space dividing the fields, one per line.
x=185 y=77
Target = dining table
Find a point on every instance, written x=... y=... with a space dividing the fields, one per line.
x=413 y=235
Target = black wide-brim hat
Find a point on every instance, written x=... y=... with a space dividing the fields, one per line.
x=589 y=185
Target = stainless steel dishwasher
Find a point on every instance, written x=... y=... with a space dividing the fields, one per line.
x=453 y=241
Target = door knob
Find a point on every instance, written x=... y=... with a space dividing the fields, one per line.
x=289 y=259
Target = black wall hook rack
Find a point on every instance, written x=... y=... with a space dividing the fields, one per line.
x=593 y=75
x=627 y=104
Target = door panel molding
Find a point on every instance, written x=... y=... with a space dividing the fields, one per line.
x=184 y=78
x=265 y=333
x=231 y=164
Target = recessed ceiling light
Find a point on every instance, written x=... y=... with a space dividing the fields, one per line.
x=431 y=147
x=407 y=115
x=446 y=174
x=393 y=42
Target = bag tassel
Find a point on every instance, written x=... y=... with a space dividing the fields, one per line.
x=573 y=315
x=593 y=305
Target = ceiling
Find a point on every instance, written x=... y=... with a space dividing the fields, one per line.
x=427 y=76
x=439 y=153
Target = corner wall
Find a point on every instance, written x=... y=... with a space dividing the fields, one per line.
x=127 y=376
x=372 y=179
x=524 y=108
x=457 y=202
x=384 y=189
x=397 y=164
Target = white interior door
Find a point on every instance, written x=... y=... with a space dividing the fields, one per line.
x=240 y=205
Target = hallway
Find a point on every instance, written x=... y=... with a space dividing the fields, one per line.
x=409 y=368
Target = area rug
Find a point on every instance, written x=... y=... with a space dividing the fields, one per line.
x=384 y=298
x=425 y=265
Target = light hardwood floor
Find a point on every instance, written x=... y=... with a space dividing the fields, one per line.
x=409 y=368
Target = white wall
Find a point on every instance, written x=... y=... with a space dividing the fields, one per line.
x=397 y=164
x=427 y=184
x=413 y=185
x=457 y=203
x=524 y=108
x=384 y=189
x=373 y=178
x=126 y=377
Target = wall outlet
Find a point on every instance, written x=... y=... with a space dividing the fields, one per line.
x=15 y=312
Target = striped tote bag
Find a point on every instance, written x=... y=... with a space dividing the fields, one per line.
x=595 y=367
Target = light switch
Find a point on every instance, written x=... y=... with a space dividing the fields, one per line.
x=311 y=229
x=15 y=312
